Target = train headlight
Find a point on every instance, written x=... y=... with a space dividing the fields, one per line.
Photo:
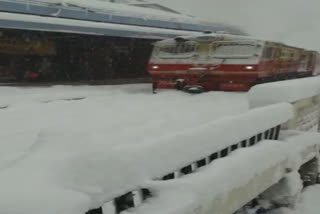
x=249 y=67
x=155 y=67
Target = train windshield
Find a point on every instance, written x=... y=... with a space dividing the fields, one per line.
x=177 y=50
x=234 y=49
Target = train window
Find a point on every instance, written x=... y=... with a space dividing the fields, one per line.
x=277 y=53
x=285 y=54
x=233 y=49
x=267 y=53
x=177 y=50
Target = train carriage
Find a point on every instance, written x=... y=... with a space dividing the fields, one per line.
x=226 y=62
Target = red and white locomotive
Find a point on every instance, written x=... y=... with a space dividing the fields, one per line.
x=226 y=63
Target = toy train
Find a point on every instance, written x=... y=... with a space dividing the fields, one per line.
x=224 y=62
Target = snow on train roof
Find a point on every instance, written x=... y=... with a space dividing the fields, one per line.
x=209 y=37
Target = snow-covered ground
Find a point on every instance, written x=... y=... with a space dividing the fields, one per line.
x=129 y=114
x=307 y=204
x=44 y=130
x=310 y=201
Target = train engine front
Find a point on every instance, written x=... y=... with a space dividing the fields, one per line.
x=206 y=62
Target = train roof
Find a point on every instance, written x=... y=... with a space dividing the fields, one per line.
x=208 y=36
x=94 y=12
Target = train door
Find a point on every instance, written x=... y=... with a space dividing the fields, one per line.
x=276 y=58
x=316 y=70
x=304 y=59
x=210 y=77
x=311 y=57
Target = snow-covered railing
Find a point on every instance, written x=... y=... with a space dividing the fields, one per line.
x=124 y=202
x=269 y=134
x=303 y=94
x=171 y=158
x=229 y=184
x=191 y=161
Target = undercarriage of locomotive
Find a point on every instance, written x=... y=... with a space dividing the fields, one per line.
x=198 y=85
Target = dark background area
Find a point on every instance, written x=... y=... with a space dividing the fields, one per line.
x=50 y=57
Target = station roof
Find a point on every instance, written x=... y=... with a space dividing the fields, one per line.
x=101 y=18
x=50 y=24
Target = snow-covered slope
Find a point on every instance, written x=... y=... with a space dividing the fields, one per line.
x=308 y=203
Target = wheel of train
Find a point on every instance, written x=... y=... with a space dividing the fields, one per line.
x=193 y=89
